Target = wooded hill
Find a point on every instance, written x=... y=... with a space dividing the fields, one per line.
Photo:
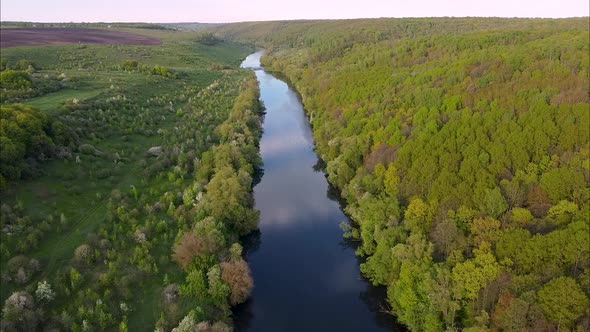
x=461 y=146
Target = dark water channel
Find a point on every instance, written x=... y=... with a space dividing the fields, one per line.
x=306 y=276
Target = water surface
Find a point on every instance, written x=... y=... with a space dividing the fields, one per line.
x=306 y=276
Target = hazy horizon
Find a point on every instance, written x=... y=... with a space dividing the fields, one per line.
x=226 y=11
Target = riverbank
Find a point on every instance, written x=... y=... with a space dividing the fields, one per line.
x=306 y=276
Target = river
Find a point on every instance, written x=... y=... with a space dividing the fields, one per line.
x=306 y=276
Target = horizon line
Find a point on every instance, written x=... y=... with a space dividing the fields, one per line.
x=294 y=19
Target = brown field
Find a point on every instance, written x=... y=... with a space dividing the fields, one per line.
x=57 y=36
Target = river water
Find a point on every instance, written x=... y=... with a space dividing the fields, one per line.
x=306 y=277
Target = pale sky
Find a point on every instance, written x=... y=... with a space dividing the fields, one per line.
x=163 y=11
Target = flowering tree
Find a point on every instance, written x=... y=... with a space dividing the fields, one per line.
x=44 y=293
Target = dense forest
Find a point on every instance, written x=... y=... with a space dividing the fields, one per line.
x=126 y=177
x=461 y=148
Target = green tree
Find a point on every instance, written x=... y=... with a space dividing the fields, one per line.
x=218 y=290
x=15 y=80
x=391 y=181
x=484 y=230
x=561 y=183
x=563 y=301
x=520 y=217
x=24 y=134
x=562 y=212
x=418 y=216
x=474 y=274
x=409 y=298
x=195 y=284
x=494 y=203
x=228 y=201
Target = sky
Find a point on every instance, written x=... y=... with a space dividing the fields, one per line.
x=221 y=11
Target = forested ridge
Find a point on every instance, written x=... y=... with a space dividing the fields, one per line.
x=461 y=147
x=126 y=177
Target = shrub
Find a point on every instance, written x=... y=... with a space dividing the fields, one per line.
x=162 y=71
x=87 y=149
x=25 y=65
x=15 y=80
x=130 y=65
x=207 y=38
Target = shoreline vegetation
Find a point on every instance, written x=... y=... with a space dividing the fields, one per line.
x=447 y=139
x=126 y=184
x=459 y=145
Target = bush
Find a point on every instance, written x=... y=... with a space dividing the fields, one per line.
x=25 y=65
x=207 y=38
x=87 y=149
x=162 y=71
x=130 y=65
x=15 y=80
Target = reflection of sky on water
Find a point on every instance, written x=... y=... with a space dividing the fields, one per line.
x=252 y=60
x=296 y=203
x=305 y=279
x=287 y=151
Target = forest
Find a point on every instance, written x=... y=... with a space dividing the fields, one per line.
x=461 y=148
x=126 y=177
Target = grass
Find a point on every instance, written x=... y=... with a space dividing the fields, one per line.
x=57 y=99
x=73 y=189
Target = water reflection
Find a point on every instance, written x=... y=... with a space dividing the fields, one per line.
x=251 y=243
x=305 y=278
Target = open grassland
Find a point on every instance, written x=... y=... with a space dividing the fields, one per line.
x=87 y=208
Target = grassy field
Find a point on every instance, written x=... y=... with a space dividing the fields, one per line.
x=121 y=114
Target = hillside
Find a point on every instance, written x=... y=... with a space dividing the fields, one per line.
x=461 y=147
x=118 y=163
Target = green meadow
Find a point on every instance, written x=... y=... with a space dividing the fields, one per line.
x=73 y=216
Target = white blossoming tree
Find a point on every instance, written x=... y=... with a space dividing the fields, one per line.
x=44 y=293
